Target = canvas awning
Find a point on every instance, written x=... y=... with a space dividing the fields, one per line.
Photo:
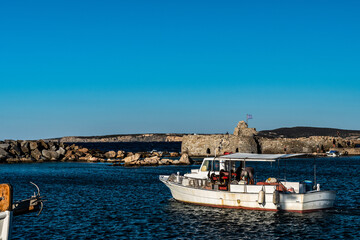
x=253 y=157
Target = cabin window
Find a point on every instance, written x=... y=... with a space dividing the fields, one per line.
x=210 y=165
x=239 y=164
x=208 y=151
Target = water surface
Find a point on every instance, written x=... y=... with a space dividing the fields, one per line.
x=96 y=201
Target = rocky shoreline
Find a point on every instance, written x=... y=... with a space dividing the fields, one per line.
x=54 y=151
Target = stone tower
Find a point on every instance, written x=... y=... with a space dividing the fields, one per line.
x=242 y=130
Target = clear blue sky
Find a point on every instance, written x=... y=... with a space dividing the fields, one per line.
x=112 y=67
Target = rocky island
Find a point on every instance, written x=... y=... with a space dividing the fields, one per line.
x=244 y=139
x=41 y=151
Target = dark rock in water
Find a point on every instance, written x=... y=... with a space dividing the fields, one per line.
x=78 y=154
x=83 y=150
x=26 y=159
x=15 y=150
x=110 y=154
x=89 y=158
x=3 y=154
x=68 y=154
x=46 y=154
x=11 y=142
x=13 y=160
x=159 y=154
x=150 y=161
x=5 y=146
x=33 y=145
x=185 y=159
x=174 y=154
x=42 y=145
x=176 y=162
x=131 y=160
x=61 y=151
x=165 y=161
x=120 y=154
x=36 y=154
x=25 y=147
x=50 y=155
x=50 y=144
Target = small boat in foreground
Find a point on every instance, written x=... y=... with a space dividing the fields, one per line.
x=9 y=209
x=227 y=182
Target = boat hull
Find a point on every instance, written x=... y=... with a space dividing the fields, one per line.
x=292 y=202
x=5 y=225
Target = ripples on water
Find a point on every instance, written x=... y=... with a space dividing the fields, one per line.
x=96 y=201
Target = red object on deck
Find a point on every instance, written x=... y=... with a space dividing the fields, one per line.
x=227 y=153
x=224 y=175
x=279 y=186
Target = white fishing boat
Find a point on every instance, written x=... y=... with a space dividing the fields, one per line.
x=227 y=182
x=9 y=209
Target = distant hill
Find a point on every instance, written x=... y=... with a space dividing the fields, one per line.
x=296 y=132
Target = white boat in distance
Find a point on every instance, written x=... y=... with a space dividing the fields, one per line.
x=332 y=153
x=226 y=182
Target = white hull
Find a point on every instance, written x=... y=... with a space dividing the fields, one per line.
x=248 y=198
x=5 y=225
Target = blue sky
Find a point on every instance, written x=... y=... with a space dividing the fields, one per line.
x=116 y=67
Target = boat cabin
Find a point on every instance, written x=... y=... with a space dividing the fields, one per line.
x=230 y=173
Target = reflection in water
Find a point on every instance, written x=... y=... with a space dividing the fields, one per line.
x=220 y=223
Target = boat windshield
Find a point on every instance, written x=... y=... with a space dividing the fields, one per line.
x=210 y=165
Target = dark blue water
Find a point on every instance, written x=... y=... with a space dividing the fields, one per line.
x=96 y=201
x=133 y=146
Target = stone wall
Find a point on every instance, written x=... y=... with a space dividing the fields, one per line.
x=242 y=140
x=205 y=145
x=301 y=145
x=245 y=140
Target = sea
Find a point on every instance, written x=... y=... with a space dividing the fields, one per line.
x=99 y=201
